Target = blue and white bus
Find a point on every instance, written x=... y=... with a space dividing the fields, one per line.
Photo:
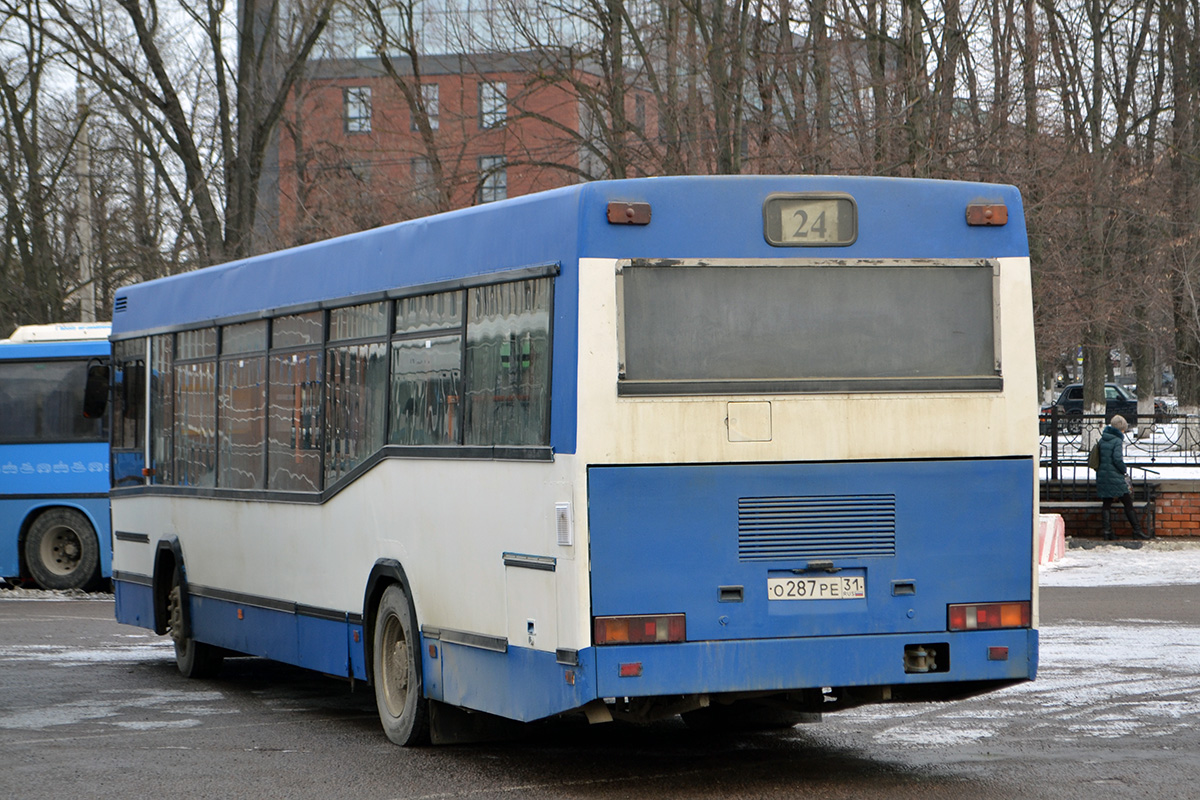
x=54 y=470
x=741 y=448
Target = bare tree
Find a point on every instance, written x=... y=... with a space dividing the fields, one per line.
x=210 y=86
x=36 y=138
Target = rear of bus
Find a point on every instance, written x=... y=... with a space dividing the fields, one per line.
x=805 y=431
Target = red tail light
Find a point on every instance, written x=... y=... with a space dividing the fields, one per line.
x=990 y=616
x=640 y=630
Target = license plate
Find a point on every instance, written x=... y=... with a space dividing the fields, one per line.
x=818 y=587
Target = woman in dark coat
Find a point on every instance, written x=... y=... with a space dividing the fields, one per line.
x=1111 y=483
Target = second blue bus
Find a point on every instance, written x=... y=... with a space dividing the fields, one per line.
x=54 y=468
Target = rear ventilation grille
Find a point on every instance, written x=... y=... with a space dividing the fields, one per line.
x=119 y=304
x=780 y=528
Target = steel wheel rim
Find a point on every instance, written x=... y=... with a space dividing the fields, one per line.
x=61 y=550
x=175 y=620
x=394 y=666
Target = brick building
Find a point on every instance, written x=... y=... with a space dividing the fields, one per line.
x=352 y=156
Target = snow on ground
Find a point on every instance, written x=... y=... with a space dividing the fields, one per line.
x=1158 y=563
x=10 y=592
x=1127 y=679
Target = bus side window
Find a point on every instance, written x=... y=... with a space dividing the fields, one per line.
x=95 y=391
x=133 y=388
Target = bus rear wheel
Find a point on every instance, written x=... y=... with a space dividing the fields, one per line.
x=396 y=671
x=62 y=551
x=194 y=659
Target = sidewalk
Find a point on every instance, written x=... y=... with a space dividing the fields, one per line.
x=1159 y=562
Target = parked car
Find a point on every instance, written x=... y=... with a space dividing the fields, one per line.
x=1118 y=400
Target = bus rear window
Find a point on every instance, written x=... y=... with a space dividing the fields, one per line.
x=711 y=328
x=42 y=401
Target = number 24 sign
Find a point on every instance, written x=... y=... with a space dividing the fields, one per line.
x=810 y=220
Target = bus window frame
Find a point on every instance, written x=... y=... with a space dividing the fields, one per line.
x=627 y=387
x=506 y=452
x=104 y=419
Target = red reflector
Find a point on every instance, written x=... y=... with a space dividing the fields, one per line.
x=997 y=654
x=631 y=670
x=622 y=213
x=987 y=214
x=989 y=616
x=640 y=630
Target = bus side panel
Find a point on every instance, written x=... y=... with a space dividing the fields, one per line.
x=134 y=602
x=39 y=476
x=12 y=517
x=17 y=514
x=520 y=683
x=331 y=646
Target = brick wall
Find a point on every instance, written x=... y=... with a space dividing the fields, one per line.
x=1176 y=512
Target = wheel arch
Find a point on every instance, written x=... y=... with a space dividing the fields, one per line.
x=168 y=556
x=385 y=572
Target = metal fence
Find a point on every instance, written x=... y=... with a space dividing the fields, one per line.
x=1163 y=440
x=1152 y=445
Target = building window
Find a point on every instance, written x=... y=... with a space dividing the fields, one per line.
x=429 y=99
x=493 y=104
x=424 y=189
x=493 y=181
x=357 y=100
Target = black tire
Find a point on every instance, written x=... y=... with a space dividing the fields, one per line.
x=396 y=670
x=194 y=659
x=62 y=551
x=1074 y=423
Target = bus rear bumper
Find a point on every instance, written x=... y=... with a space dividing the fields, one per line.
x=768 y=665
x=525 y=684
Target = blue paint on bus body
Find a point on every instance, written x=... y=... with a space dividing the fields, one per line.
x=331 y=646
x=665 y=539
x=691 y=218
x=133 y=603
x=38 y=476
x=520 y=683
x=755 y=665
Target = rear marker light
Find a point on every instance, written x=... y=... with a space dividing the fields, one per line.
x=989 y=616
x=997 y=654
x=640 y=630
x=987 y=214
x=628 y=213
x=631 y=670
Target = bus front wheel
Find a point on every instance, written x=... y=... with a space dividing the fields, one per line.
x=194 y=659
x=396 y=671
x=62 y=551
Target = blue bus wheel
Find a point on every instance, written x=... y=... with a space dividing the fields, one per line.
x=61 y=550
x=396 y=671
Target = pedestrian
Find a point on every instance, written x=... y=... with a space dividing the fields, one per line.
x=1111 y=481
